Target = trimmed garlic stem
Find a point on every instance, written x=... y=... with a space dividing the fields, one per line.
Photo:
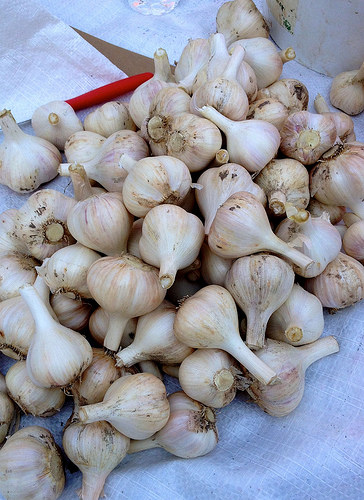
x=54 y=232
x=116 y=327
x=93 y=485
x=255 y=333
x=287 y=55
x=221 y=157
x=162 y=68
x=81 y=184
x=321 y=105
x=167 y=273
x=53 y=118
x=234 y=63
x=359 y=77
x=277 y=201
x=293 y=333
x=296 y=215
x=225 y=124
x=141 y=445
x=63 y=169
x=36 y=306
x=297 y=257
x=317 y=350
x=223 y=380
x=9 y=127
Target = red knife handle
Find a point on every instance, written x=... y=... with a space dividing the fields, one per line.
x=108 y=92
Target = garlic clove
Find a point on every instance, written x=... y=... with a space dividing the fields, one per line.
x=26 y=161
x=347 y=91
x=55 y=122
x=30 y=462
x=142 y=395
x=109 y=118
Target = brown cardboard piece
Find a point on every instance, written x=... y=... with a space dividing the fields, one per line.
x=126 y=60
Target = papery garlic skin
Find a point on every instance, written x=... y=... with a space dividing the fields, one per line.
x=26 y=161
x=154 y=181
x=260 y=284
x=109 y=118
x=41 y=223
x=240 y=19
x=15 y=271
x=171 y=240
x=66 y=271
x=142 y=395
x=31 y=466
x=96 y=449
x=269 y=110
x=7 y=412
x=38 y=401
x=126 y=287
x=83 y=146
x=57 y=356
x=170 y=101
x=194 y=56
x=306 y=136
x=155 y=340
x=299 y=321
x=347 y=91
x=55 y=122
x=290 y=92
x=208 y=376
x=340 y=285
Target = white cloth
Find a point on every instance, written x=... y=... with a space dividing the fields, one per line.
x=316 y=452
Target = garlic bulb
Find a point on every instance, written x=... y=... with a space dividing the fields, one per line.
x=100 y=222
x=114 y=159
x=241 y=227
x=209 y=319
x=248 y=80
x=83 y=146
x=194 y=56
x=260 y=284
x=299 y=321
x=170 y=101
x=284 y=181
x=97 y=378
x=213 y=267
x=240 y=19
x=347 y=91
x=57 y=355
x=340 y=285
x=218 y=184
x=8 y=242
x=38 y=401
x=15 y=271
x=72 y=313
x=187 y=137
x=134 y=237
x=66 y=271
x=7 y=412
x=41 y=223
x=171 y=240
x=96 y=449
x=269 y=110
x=17 y=324
x=55 y=122
x=26 y=161
x=211 y=376
x=154 y=181
x=189 y=433
x=31 y=466
x=353 y=240
x=142 y=396
x=109 y=118
x=250 y=143
x=224 y=93
x=339 y=177
x=126 y=287
x=155 y=340
x=98 y=325
x=306 y=136
x=316 y=208
x=144 y=94
x=343 y=123
x=315 y=237
x=263 y=57
x=290 y=92
x=290 y=363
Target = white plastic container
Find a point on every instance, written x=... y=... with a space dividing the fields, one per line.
x=327 y=35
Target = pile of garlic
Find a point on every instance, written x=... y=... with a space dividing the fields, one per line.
x=205 y=212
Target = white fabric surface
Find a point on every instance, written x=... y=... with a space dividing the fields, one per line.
x=316 y=452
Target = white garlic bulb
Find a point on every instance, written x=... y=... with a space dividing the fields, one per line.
x=171 y=240
x=8 y=242
x=149 y=410
x=109 y=118
x=55 y=122
x=170 y=101
x=347 y=91
x=96 y=449
x=82 y=146
x=299 y=320
x=269 y=110
x=38 y=401
x=26 y=161
x=15 y=271
x=343 y=123
x=31 y=466
x=98 y=325
x=353 y=240
x=289 y=91
x=72 y=313
x=7 y=411
x=213 y=267
x=194 y=56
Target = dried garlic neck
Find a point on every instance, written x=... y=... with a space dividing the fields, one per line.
x=223 y=380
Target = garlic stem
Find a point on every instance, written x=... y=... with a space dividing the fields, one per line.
x=234 y=63
x=53 y=118
x=293 y=333
x=63 y=169
x=317 y=350
x=225 y=124
x=255 y=333
x=93 y=485
x=142 y=444
x=277 y=201
x=294 y=255
x=116 y=327
x=81 y=184
x=93 y=413
x=223 y=380
x=287 y=55
x=321 y=105
x=54 y=232
x=359 y=77
x=162 y=69
x=37 y=307
x=221 y=157
x=10 y=128
x=167 y=272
